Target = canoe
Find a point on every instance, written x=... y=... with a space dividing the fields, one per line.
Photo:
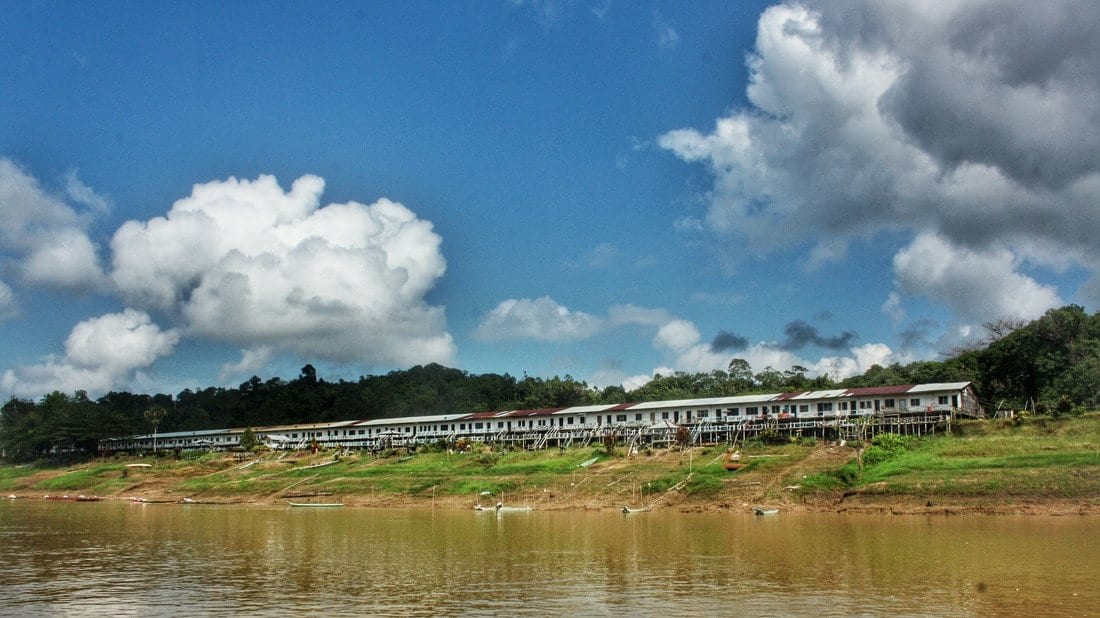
x=316 y=505
x=762 y=511
x=627 y=510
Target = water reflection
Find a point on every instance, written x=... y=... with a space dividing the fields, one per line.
x=66 y=558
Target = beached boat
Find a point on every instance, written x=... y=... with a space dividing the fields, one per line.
x=732 y=461
x=88 y=498
x=316 y=505
x=763 y=511
x=500 y=508
x=627 y=510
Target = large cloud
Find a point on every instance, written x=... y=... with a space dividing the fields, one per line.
x=975 y=285
x=544 y=319
x=540 y=319
x=43 y=235
x=245 y=262
x=100 y=354
x=976 y=122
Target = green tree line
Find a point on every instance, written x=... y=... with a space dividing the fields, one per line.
x=1051 y=363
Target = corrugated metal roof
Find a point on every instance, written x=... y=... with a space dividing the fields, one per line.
x=876 y=391
x=709 y=402
x=606 y=407
x=438 y=418
x=304 y=426
x=528 y=413
x=945 y=386
x=829 y=394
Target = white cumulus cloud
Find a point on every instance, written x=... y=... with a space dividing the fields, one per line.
x=976 y=285
x=540 y=319
x=246 y=262
x=43 y=235
x=100 y=354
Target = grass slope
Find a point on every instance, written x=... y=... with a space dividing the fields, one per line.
x=985 y=463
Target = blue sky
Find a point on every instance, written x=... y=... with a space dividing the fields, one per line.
x=196 y=193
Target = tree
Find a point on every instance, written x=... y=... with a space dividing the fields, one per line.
x=155 y=414
x=249 y=440
x=740 y=371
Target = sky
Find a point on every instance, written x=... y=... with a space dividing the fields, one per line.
x=195 y=193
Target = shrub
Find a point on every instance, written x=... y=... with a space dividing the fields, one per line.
x=770 y=435
x=884 y=447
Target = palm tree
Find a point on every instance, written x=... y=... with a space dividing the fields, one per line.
x=154 y=415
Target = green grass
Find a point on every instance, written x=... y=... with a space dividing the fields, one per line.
x=103 y=478
x=1042 y=458
x=14 y=477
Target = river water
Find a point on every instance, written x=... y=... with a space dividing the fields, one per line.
x=109 y=558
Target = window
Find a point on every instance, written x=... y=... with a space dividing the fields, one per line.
x=942 y=400
x=752 y=410
x=570 y=421
x=703 y=414
x=664 y=415
x=478 y=425
x=638 y=417
x=734 y=411
x=825 y=407
x=889 y=403
x=620 y=418
x=804 y=408
x=914 y=403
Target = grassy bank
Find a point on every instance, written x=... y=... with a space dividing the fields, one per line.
x=1035 y=465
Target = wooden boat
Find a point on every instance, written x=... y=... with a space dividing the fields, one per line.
x=88 y=498
x=627 y=510
x=316 y=505
x=763 y=511
x=512 y=509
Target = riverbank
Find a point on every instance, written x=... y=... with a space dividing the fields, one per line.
x=1038 y=466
